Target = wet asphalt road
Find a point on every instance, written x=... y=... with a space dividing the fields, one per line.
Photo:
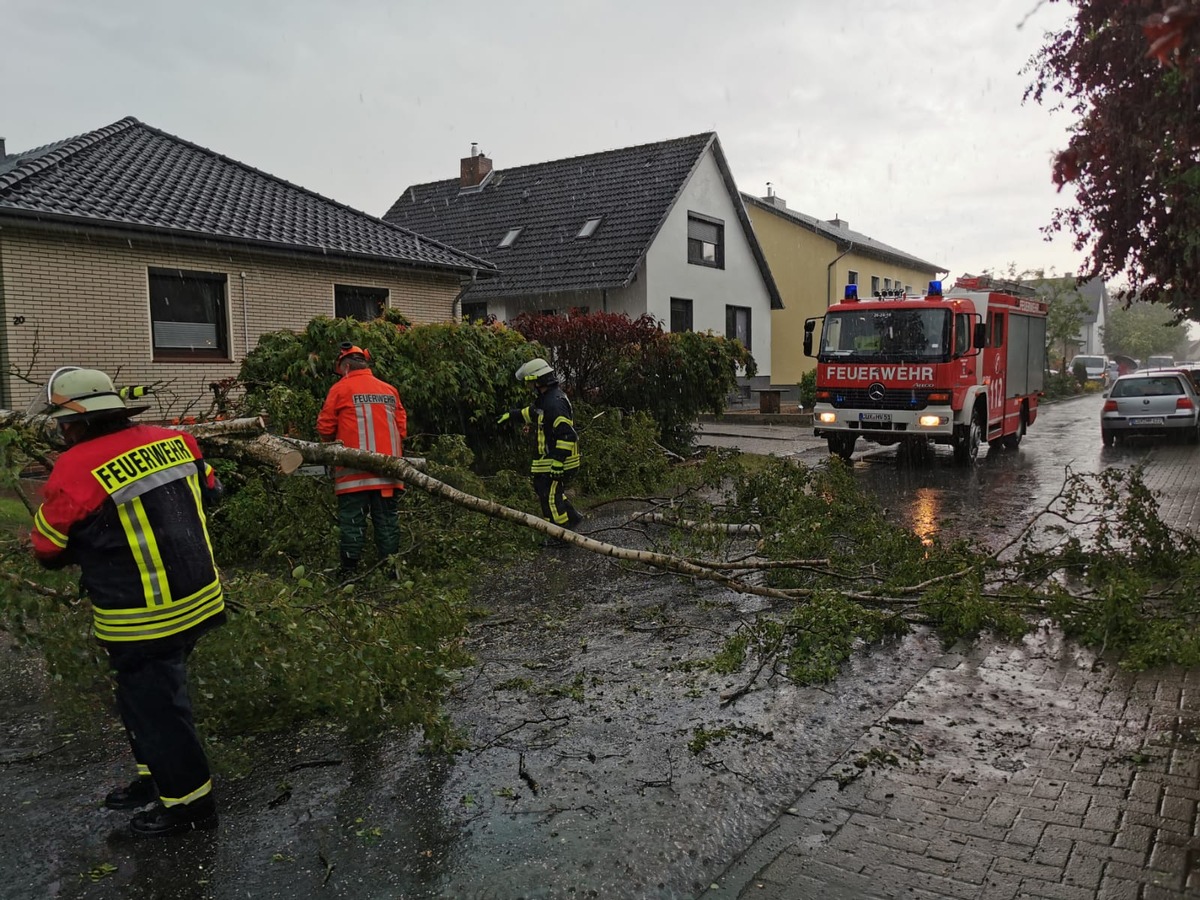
x=587 y=775
x=1005 y=488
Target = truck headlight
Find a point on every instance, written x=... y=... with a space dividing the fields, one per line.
x=827 y=418
x=931 y=421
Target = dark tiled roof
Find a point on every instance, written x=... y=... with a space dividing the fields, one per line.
x=631 y=190
x=863 y=244
x=129 y=175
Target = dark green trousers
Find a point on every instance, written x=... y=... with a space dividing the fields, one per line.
x=353 y=509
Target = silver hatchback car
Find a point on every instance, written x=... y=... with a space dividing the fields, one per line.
x=1157 y=403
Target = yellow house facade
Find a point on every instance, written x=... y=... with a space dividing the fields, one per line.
x=812 y=260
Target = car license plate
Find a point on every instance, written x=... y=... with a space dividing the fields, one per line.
x=1147 y=420
x=874 y=417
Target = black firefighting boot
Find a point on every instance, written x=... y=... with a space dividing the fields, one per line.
x=133 y=796
x=163 y=821
x=347 y=566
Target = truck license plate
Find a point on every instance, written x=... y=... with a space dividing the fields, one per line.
x=874 y=417
x=1147 y=420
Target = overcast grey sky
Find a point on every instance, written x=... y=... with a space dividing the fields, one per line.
x=903 y=117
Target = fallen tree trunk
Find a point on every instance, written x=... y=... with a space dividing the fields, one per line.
x=45 y=429
x=692 y=525
x=223 y=439
x=266 y=449
x=228 y=439
x=397 y=467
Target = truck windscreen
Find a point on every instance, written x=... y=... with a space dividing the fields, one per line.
x=886 y=335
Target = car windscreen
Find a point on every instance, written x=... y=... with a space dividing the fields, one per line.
x=886 y=335
x=1162 y=386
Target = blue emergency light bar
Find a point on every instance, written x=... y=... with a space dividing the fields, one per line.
x=851 y=292
x=935 y=288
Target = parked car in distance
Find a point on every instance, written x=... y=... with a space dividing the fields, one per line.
x=1165 y=402
x=1097 y=366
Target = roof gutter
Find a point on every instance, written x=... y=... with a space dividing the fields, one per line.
x=124 y=230
x=829 y=274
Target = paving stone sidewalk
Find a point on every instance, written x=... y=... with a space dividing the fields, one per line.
x=1009 y=771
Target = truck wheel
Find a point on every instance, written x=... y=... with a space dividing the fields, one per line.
x=841 y=445
x=966 y=443
x=1013 y=441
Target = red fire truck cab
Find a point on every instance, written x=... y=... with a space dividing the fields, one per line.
x=955 y=368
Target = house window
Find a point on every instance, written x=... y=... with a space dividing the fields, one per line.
x=509 y=239
x=887 y=284
x=589 y=228
x=874 y=285
x=737 y=324
x=362 y=303
x=189 y=314
x=681 y=314
x=475 y=311
x=851 y=277
x=706 y=241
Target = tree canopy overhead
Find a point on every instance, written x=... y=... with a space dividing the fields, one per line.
x=1130 y=71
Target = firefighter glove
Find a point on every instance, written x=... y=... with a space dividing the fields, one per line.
x=512 y=413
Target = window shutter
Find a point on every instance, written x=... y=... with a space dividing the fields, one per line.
x=704 y=231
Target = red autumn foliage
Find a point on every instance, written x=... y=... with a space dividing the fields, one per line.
x=1129 y=71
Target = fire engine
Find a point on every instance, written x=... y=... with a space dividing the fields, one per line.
x=955 y=368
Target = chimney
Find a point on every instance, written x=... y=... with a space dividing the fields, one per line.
x=837 y=222
x=474 y=169
x=2 y=154
x=773 y=199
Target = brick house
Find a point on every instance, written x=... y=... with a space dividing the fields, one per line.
x=159 y=261
x=657 y=228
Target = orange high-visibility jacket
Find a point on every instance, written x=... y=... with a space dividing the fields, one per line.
x=364 y=413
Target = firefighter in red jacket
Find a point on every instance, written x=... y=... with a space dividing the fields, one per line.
x=364 y=413
x=125 y=502
x=557 y=443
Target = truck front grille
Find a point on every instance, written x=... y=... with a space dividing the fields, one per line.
x=893 y=398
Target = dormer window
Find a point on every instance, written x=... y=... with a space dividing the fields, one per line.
x=509 y=239
x=589 y=228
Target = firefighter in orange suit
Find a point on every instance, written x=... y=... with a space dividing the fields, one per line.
x=364 y=413
x=126 y=503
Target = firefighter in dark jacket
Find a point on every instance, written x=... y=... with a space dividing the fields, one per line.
x=557 y=443
x=125 y=502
